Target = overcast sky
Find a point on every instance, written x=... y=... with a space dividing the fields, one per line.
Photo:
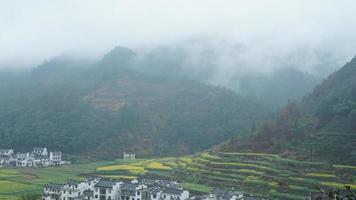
x=34 y=30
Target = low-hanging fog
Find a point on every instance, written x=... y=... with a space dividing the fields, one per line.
x=219 y=41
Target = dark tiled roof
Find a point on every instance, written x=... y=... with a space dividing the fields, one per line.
x=105 y=184
x=317 y=196
x=54 y=186
x=252 y=198
x=73 y=182
x=128 y=186
x=5 y=150
x=172 y=191
x=154 y=190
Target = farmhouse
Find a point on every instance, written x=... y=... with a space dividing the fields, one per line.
x=129 y=156
x=107 y=190
x=174 y=194
x=134 y=191
x=52 y=191
x=6 y=152
x=40 y=151
x=219 y=194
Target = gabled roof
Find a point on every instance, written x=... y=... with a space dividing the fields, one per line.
x=172 y=191
x=128 y=186
x=154 y=190
x=39 y=148
x=73 y=182
x=252 y=198
x=54 y=186
x=317 y=196
x=5 y=150
x=105 y=184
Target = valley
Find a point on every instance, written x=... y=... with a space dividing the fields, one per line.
x=266 y=175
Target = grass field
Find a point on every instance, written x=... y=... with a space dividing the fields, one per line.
x=260 y=174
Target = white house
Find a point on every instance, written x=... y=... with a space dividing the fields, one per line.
x=55 y=157
x=6 y=152
x=52 y=192
x=154 y=193
x=107 y=190
x=129 y=156
x=218 y=194
x=73 y=189
x=174 y=194
x=40 y=151
x=134 y=191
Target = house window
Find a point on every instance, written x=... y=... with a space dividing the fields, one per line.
x=164 y=196
x=155 y=196
x=132 y=198
x=96 y=196
x=102 y=191
x=109 y=190
x=138 y=193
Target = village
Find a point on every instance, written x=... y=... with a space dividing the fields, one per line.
x=39 y=157
x=95 y=188
x=138 y=189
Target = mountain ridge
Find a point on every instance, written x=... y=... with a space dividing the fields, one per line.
x=322 y=126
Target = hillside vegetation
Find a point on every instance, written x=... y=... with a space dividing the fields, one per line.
x=321 y=127
x=111 y=106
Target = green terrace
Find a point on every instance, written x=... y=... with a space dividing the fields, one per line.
x=267 y=175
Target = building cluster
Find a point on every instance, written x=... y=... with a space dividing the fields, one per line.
x=39 y=157
x=101 y=189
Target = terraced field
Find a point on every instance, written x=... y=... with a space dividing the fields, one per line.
x=260 y=174
x=269 y=175
x=15 y=183
x=266 y=175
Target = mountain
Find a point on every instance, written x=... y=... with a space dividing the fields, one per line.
x=112 y=106
x=279 y=87
x=321 y=127
x=228 y=67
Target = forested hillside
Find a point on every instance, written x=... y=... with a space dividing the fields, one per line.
x=322 y=126
x=113 y=105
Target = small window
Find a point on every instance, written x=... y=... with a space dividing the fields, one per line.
x=164 y=196
x=138 y=193
x=96 y=196
x=155 y=196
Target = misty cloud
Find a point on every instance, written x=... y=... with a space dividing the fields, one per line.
x=257 y=35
